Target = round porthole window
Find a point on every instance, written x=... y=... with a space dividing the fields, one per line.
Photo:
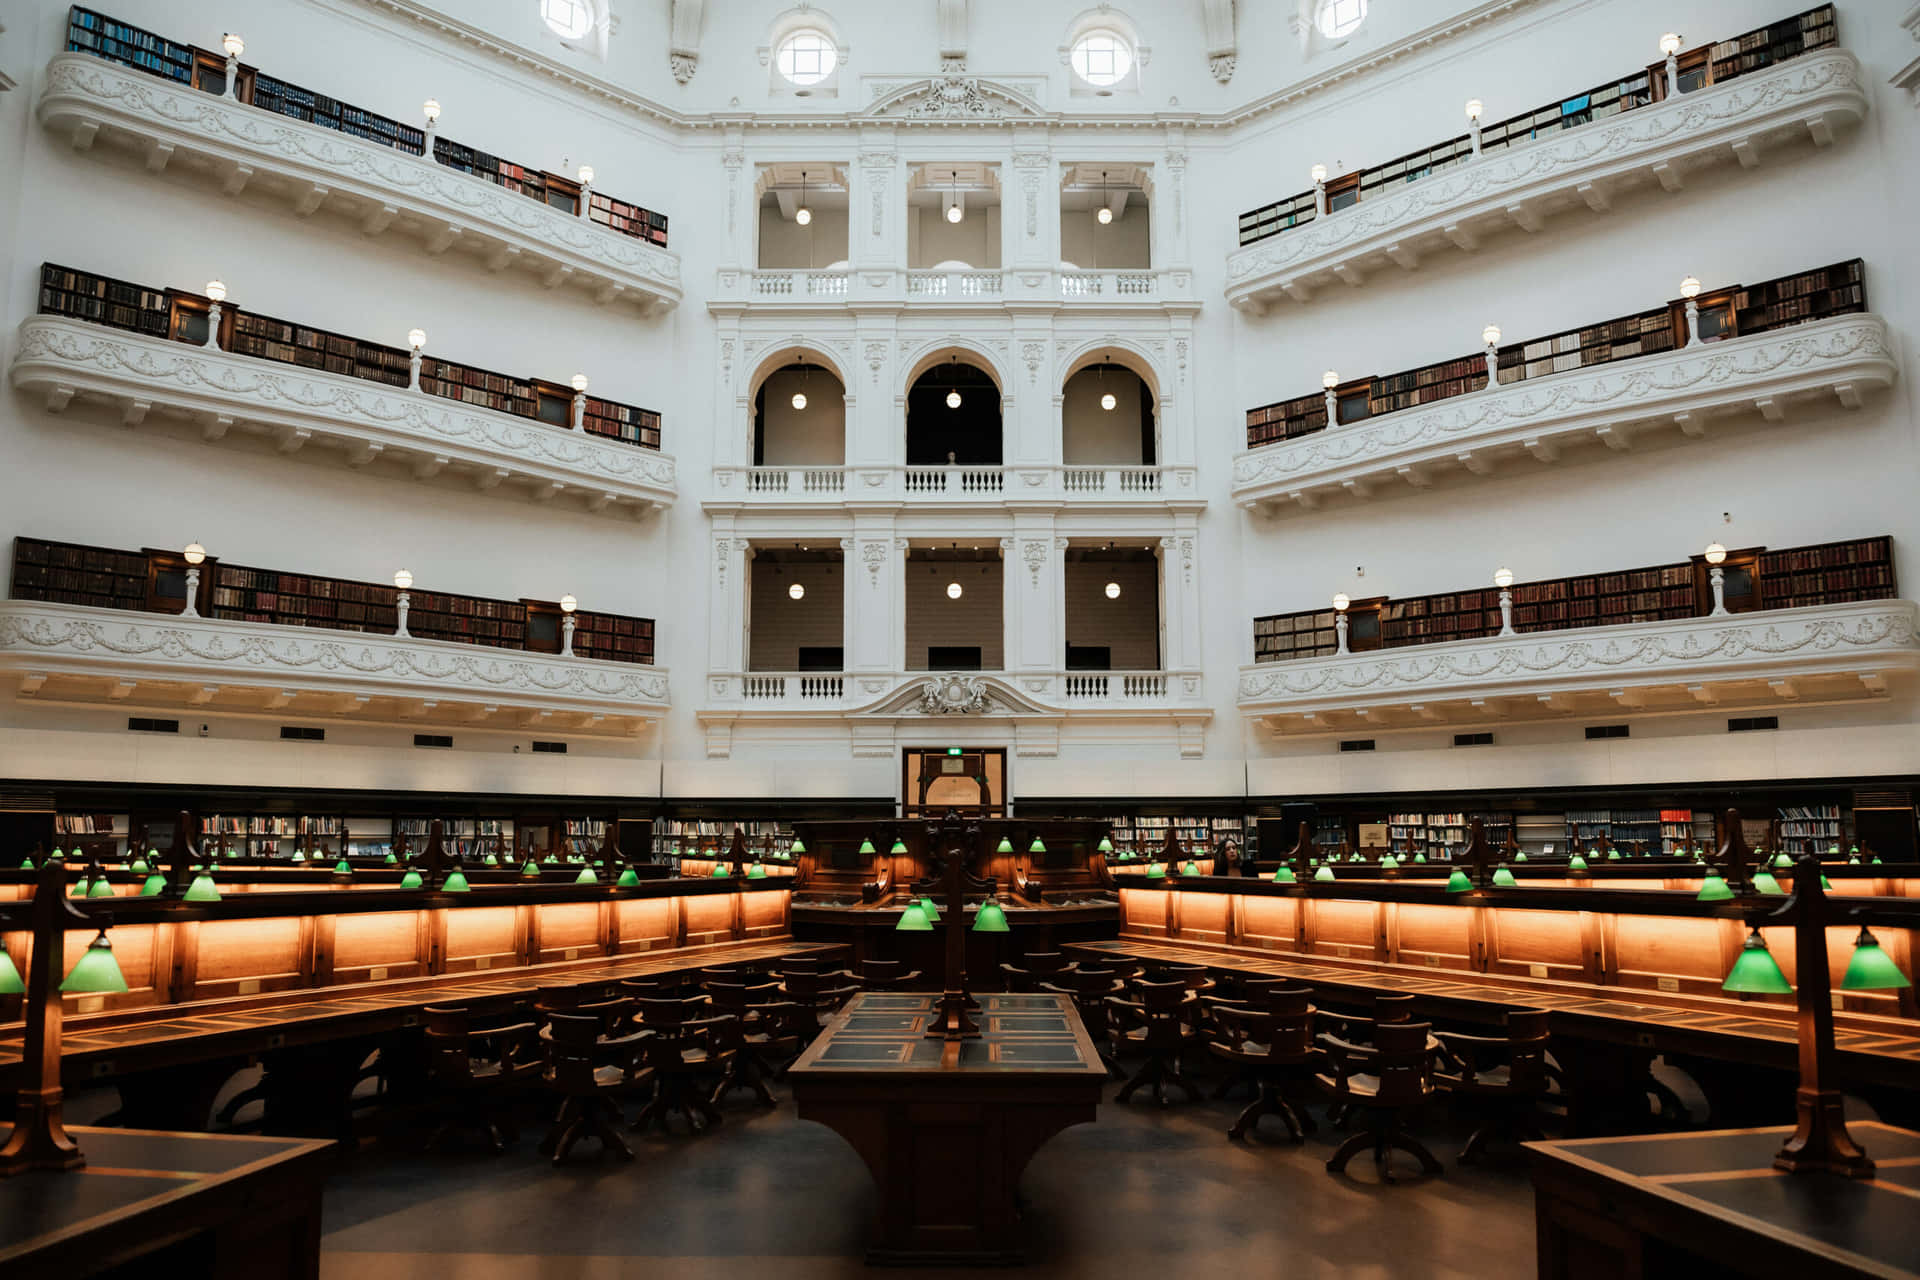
x=1102 y=58
x=806 y=57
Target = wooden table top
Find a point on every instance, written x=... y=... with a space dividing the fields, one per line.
x=105 y=1044
x=134 y=1188
x=1889 y=1056
x=883 y=1035
x=1727 y=1176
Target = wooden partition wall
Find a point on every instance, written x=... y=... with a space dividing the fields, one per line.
x=1649 y=942
x=257 y=943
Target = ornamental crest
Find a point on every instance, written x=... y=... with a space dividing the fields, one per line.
x=954 y=695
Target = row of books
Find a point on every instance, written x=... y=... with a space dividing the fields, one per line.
x=1814 y=29
x=1832 y=555
x=297 y=103
x=104 y=37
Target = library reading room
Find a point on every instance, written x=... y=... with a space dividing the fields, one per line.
x=509 y=772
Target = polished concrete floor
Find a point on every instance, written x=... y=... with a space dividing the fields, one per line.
x=766 y=1196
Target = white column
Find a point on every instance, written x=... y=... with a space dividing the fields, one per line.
x=727 y=598
x=739 y=244
x=1035 y=595
x=875 y=638
x=1180 y=586
x=876 y=204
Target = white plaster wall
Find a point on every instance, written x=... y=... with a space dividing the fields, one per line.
x=1092 y=436
x=784 y=243
x=1125 y=242
x=780 y=626
x=813 y=436
x=1129 y=625
x=975 y=618
x=974 y=240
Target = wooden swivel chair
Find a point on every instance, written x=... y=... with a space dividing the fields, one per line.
x=1384 y=1082
x=746 y=1042
x=1035 y=969
x=885 y=975
x=1090 y=989
x=589 y=1087
x=1273 y=1044
x=1154 y=1022
x=1501 y=1078
x=678 y=1048
x=475 y=1071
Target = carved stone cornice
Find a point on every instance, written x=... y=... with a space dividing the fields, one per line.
x=85 y=95
x=1858 y=645
x=1815 y=94
x=1844 y=356
x=371 y=676
x=59 y=357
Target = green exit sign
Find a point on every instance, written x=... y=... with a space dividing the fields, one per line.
x=953 y=751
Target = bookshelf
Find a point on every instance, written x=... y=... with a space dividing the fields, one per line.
x=1625 y=827
x=707 y=837
x=1732 y=311
x=1794 y=577
x=104 y=578
x=1820 y=824
x=131 y=46
x=1198 y=835
x=1724 y=60
x=182 y=316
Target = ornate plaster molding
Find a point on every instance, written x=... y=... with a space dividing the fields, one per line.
x=85 y=95
x=39 y=640
x=59 y=357
x=1844 y=356
x=1817 y=93
x=1869 y=639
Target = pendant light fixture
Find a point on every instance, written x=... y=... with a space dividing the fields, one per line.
x=800 y=396
x=803 y=215
x=1107 y=400
x=1105 y=215
x=954 y=211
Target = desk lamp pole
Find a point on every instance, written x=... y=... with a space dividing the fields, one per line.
x=39 y=1139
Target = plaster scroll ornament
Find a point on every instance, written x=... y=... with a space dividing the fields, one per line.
x=954 y=695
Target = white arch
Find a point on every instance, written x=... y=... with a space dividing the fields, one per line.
x=1127 y=354
x=794 y=353
x=937 y=350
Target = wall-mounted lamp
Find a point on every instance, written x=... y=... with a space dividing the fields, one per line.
x=194 y=555
x=567 y=605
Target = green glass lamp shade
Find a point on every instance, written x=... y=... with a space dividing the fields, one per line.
x=139 y=866
x=1825 y=883
x=1871 y=969
x=1782 y=861
x=1714 y=888
x=1853 y=860
x=866 y=846
x=1458 y=882
x=411 y=880
x=1833 y=851
x=1005 y=846
x=343 y=868
x=80 y=888
x=1576 y=863
x=933 y=912
x=529 y=870
x=202 y=889
x=1036 y=846
x=1105 y=845
x=392 y=859
x=1876 y=859
x=1189 y=868
x=100 y=888
x=1388 y=862
x=1756 y=972
x=96 y=972
x=1763 y=882
x=1613 y=855
x=991 y=918
x=797 y=847
x=456 y=882
x=155 y=882
x=1156 y=871
x=899 y=847
x=599 y=862
x=26 y=864
x=1285 y=875
x=914 y=920
x=1521 y=856
x=758 y=871
x=1503 y=877
x=1419 y=857
x=1324 y=874
x=491 y=860
x=586 y=876
x=628 y=879
x=719 y=871
x=299 y=855
x=10 y=984
x=58 y=854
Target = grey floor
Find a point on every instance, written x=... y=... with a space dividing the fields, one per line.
x=1141 y=1192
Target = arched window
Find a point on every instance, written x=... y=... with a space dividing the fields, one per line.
x=806 y=57
x=1102 y=58
x=1103 y=54
x=1338 y=19
x=568 y=19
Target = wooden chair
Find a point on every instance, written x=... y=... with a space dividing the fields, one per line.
x=677 y=1048
x=824 y=993
x=661 y=986
x=1383 y=1081
x=1035 y=970
x=748 y=1045
x=1502 y=1078
x=885 y=975
x=791 y=1026
x=472 y=1087
x=589 y=1088
x=1356 y=1022
x=1274 y=1044
x=1254 y=994
x=1158 y=1018
x=1090 y=989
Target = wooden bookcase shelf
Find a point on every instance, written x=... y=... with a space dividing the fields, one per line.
x=1723 y=61
x=1795 y=577
x=131 y=46
x=182 y=316
x=1734 y=311
x=103 y=578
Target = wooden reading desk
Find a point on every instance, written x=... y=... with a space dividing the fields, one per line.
x=1692 y=1206
x=209 y=1206
x=946 y=1127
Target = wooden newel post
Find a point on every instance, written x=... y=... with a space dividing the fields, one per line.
x=436 y=855
x=1820 y=1140
x=1302 y=856
x=952 y=1020
x=1478 y=853
x=180 y=858
x=39 y=1139
x=737 y=852
x=1735 y=859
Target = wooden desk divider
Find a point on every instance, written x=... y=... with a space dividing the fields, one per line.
x=39 y=1139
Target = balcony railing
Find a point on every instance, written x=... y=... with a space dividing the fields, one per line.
x=1065 y=690
x=806 y=284
x=828 y=486
x=953 y=284
x=968 y=288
